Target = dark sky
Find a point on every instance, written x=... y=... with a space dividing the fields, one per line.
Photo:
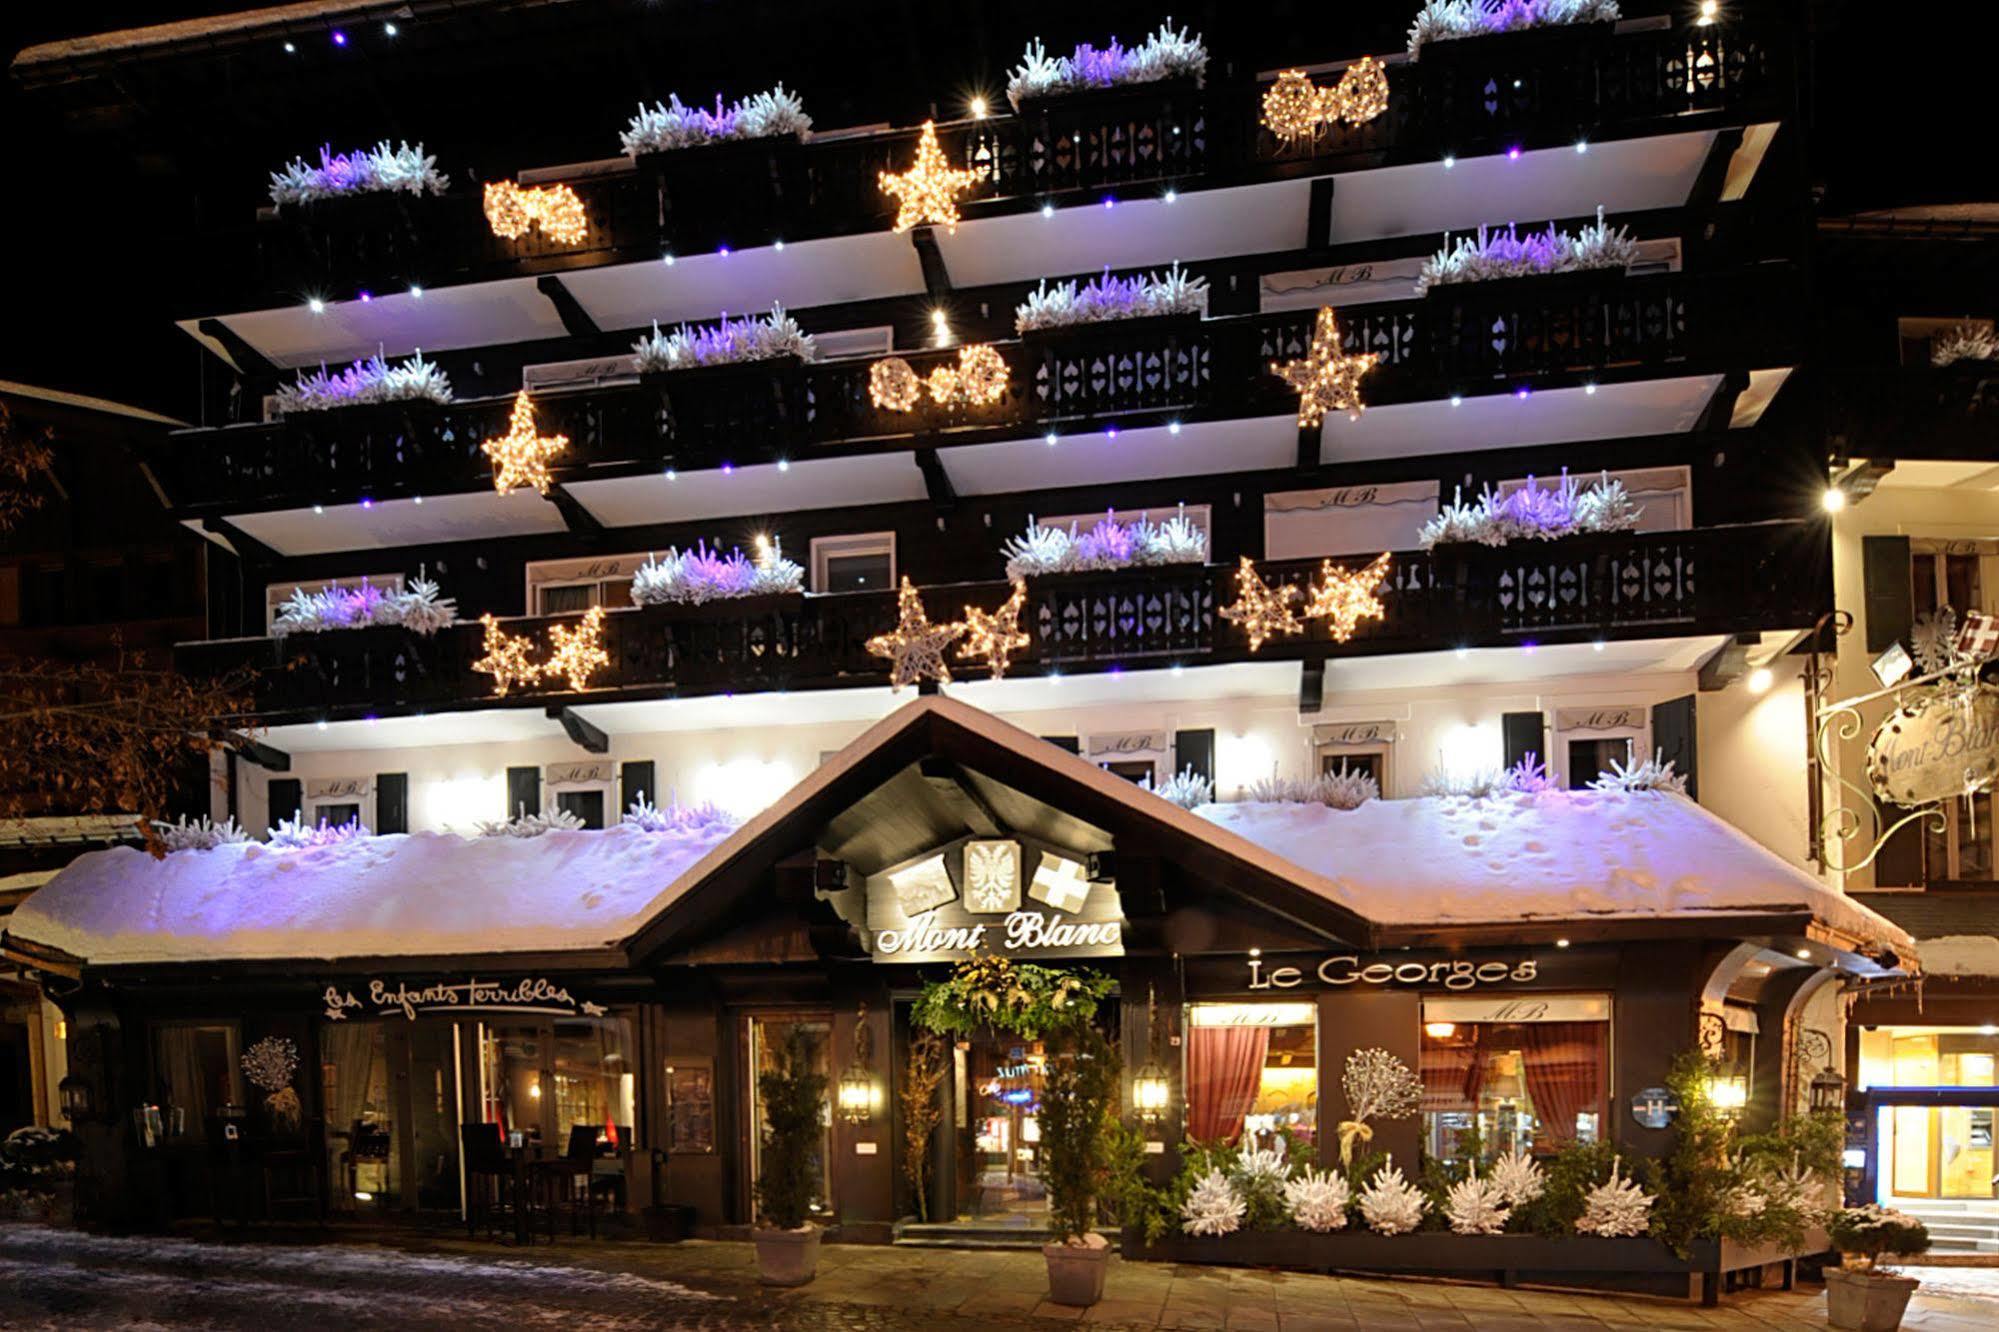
x=1901 y=111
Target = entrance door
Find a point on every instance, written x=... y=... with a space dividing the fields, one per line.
x=997 y=1082
x=390 y=1099
x=1942 y=1151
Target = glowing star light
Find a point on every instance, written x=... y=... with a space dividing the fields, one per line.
x=520 y=457
x=995 y=637
x=506 y=658
x=915 y=648
x=511 y=209
x=578 y=653
x=929 y=190
x=1296 y=108
x=1327 y=379
x=1262 y=611
x=1345 y=597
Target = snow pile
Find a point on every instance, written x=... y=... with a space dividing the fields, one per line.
x=1555 y=855
x=1506 y=254
x=1961 y=955
x=1451 y=20
x=1110 y=544
x=700 y=575
x=395 y=895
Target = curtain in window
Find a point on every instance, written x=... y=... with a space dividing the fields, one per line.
x=1447 y=1073
x=350 y=1049
x=1564 y=1072
x=1224 y=1069
x=183 y=1078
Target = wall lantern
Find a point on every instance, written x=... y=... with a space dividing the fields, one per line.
x=1828 y=1090
x=79 y=1101
x=1151 y=1091
x=858 y=1093
x=1728 y=1093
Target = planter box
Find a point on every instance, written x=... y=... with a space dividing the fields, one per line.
x=731 y=192
x=1084 y=101
x=1515 y=46
x=1866 y=1301
x=741 y=406
x=1145 y=326
x=1531 y=286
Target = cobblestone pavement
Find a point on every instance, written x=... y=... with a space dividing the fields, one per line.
x=63 y=1279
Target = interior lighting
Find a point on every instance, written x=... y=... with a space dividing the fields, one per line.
x=1760 y=680
x=1440 y=1031
x=1834 y=499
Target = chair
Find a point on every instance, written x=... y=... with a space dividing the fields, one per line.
x=367 y=1144
x=489 y=1175
x=578 y=1166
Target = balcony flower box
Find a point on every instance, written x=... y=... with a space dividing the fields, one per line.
x=1083 y=103
x=1160 y=326
x=1517 y=47
x=740 y=407
x=1531 y=288
x=733 y=191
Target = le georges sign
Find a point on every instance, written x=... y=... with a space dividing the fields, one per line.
x=1368 y=971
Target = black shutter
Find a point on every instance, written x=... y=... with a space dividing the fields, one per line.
x=1073 y=744
x=1196 y=750
x=1673 y=736
x=392 y=802
x=1520 y=733
x=1884 y=564
x=523 y=792
x=635 y=780
x=287 y=799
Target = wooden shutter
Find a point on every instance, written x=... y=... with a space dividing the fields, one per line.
x=523 y=792
x=392 y=802
x=287 y=796
x=1196 y=750
x=635 y=779
x=1890 y=610
x=1673 y=736
x=1522 y=734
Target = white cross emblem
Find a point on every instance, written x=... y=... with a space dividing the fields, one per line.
x=1059 y=882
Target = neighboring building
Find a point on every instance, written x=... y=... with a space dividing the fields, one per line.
x=1682 y=633
x=97 y=568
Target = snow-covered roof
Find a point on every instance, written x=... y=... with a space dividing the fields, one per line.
x=1961 y=955
x=1553 y=856
x=398 y=895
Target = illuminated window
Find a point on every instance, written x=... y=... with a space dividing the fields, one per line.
x=1252 y=1072
x=1522 y=1073
x=767 y=1036
x=864 y=563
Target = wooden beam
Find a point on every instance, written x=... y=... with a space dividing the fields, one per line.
x=1720 y=409
x=236 y=351
x=1319 y=215
x=936 y=277
x=1706 y=190
x=264 y=756
x=935 y=479
x=575 y=517
x=947 y=779
x=578 y=728
x=1312 y=687
x=248 y=548
x=574 y=317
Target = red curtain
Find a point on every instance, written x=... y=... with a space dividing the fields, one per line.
x=1224 y=1069
x=1564 y=1072
x=1447 y=1072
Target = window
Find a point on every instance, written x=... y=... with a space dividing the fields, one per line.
x=195 y=1073
x=1954 y=574
x=585 y=805
x=510 y=1079
x=1132 y=770
x=596 y=1078
x=1372 y=762
x=568 y=587
x=1252 y=1070
x=1587 y=758
x=864 y=563
x=1530 y=1074
x=335 y=815
x=767 y=1039
x=1934 y=1151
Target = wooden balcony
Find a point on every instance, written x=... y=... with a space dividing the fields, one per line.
x=1473 y=339
x=1630 y=585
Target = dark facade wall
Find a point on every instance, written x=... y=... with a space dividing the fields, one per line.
x=1653 y=1019
x=1390 y=1020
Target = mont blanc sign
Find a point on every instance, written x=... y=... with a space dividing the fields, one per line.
x=390 y=998
x=1942 y=745
x=992 y=895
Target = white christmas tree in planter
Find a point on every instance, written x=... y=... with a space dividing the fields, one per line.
x=1378 y=1086
x=1318 y=1199
x=1476 y=1206
x=1518 y=1178
x=1616 y=1207
x=1390 y=1204
x=1213 y=1207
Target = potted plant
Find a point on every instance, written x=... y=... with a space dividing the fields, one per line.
x=1857 y=1296
x=793 y=1094
x=1078 y=1108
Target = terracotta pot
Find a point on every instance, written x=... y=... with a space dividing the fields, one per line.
x=1866 y=1301
x=788 y=1257
x=1076 y=1273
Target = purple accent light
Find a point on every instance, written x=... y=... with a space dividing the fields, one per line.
x=1513 y=153
x=339 y=37
x=1522 y=392
x=728 y=468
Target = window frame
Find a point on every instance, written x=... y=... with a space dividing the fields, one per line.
x=825 y=549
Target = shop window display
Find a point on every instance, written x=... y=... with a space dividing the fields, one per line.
x=1252 y=1072
x=1534 y=1086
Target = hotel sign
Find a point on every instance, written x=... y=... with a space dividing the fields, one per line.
x=387 y=998
x=1342 y=969
x=992 y=895
x=1944 y=745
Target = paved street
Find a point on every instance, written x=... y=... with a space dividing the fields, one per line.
x=60 y=1279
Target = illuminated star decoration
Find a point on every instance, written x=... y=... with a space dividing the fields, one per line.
x=506 y=658
x=511 y=209
x=578 y=653
x=1261 y=610
x=1327 y=379
x=520 y=457
x=995 y=637
x=1345 y=597
x=1296 y=108
x=929 y=190
x=915 y=648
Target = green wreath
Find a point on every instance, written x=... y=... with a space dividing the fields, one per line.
x=1016 y=997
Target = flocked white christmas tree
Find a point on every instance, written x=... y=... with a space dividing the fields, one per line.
x=1187 y=789
x=421 y=608
x=1795 y=1187
x=1212 y=1207
x=1390 y=1204
x=1518 y=1178
x=1257 y=1167
x=1476 y=1206
x=1616 y=1207
x=525 y=824
x=1378 y=1086
x=200 y=834
x=1318 y=1200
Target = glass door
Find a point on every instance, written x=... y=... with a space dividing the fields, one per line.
x=1000 y=1079
x=767 y=1038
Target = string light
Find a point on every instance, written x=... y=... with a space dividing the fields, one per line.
x=578 y=653
x=506 y=658
x=978 y=380
x=1296 y=108
x=893 y=386
x=1263 y=612
x=520 y=457
x=1345 y=597
x=929 y=190
x=996 y=637
x=511 y=209
x=915 y=647
x=1327 y=379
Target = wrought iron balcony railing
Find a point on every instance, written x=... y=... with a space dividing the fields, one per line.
x=1473 y=339
x=1919 y=411
x=1465 y=97
x=1636 y=585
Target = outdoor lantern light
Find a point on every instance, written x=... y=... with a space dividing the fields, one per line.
x=1828 y=1090
x=858 y=1096
x=79 y=1103
x=1729 y=1092
x=1151 y=1089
